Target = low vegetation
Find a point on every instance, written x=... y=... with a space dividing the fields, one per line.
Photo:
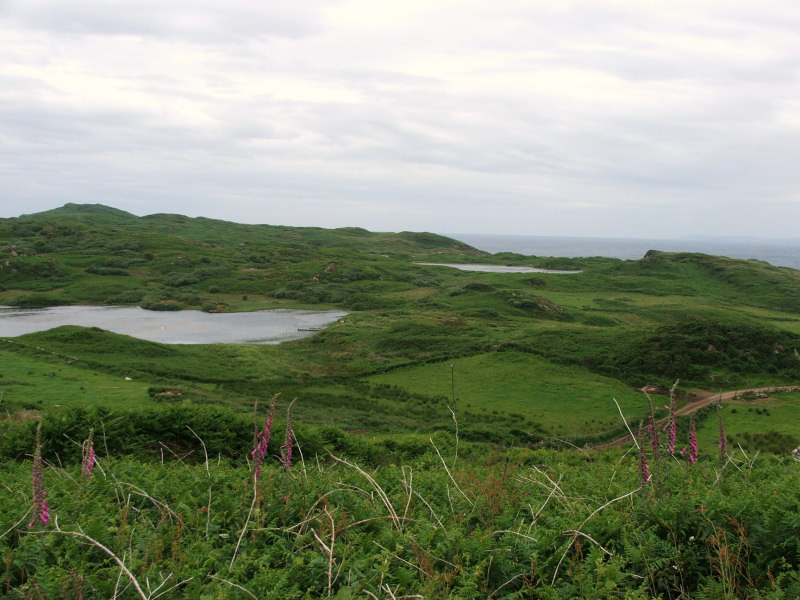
x=441 y=433
x=317 y=515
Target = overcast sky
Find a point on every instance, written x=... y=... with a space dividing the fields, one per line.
x=588 y=117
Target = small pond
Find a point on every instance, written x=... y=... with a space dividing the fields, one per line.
x=173 y=327
x=498 y=268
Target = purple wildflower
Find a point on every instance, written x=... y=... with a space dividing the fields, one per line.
x=723 y=439
x=644 y=471
x=89 y=457
x=262 y=441
x=655 y=442
x=286 y=448
x=41 y=511
x=671 y=427
x=692 y=441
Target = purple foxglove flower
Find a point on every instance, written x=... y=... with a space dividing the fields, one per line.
x=723 y=439
x=655 y=442
x=262 y=441
x=692 y=441
x=672 y=427
x=286 y=448
x=89 y=457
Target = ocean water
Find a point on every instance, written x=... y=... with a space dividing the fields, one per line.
x=778 y=253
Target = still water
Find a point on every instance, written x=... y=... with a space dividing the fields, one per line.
x=174 y=327
x=497 y=268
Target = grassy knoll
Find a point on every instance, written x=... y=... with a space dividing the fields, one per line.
x=537 y=355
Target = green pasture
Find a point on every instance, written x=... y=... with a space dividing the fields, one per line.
x=565 y=400
x=31 y=383
x=771 y=424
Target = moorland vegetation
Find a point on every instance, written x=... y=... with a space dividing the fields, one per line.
x=442 y=430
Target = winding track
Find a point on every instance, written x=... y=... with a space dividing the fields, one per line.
x=695 y=405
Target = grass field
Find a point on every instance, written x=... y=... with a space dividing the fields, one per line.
x=560 y=399
x=534 y=354
x=30 y=383
x=769 y=424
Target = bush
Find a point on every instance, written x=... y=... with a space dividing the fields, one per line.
x=107 y=271
x=40 y=301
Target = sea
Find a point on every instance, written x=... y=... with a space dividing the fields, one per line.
x=781 y=253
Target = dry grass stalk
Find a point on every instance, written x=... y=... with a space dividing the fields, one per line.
x=233 y=585
x=205 y=452
x=94 y=542
x=626 y=423
x=246 y=523
x=162 y=506
x=328 y=549
x=378 y=489
x=450 y=475
x=576 y=532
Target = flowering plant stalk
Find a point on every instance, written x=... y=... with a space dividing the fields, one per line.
x=671 y=428
x=41 y=511
x=89 y=458
x=644 y=471
x=723 y=439
x=692 y=440
x=262 y=441
x=286 y=448
x=655 y=441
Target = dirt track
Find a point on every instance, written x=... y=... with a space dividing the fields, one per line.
x=695 y=405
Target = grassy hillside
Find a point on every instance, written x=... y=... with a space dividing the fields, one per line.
x=529 y=350
x=423 y=425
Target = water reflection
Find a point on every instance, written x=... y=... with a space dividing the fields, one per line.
x=174 y=327
x=498 y=268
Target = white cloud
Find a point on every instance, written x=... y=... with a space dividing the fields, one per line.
x=583 y=117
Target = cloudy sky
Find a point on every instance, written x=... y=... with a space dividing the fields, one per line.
x=589 y=117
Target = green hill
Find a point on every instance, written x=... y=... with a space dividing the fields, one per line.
x=712 y=322
x=417 y=449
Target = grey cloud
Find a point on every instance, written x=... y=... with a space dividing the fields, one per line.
x=660 y=136
x=202 y=21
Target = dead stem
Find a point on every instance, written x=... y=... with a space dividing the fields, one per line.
x=233 y=585
x=575 y=532
x=444 y=464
